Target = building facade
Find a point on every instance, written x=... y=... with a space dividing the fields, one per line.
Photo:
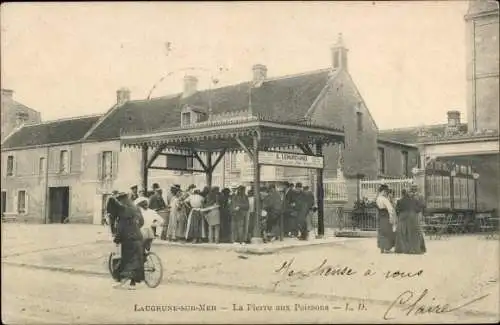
x=482 y=66
x=15 y=114
x=86 y=164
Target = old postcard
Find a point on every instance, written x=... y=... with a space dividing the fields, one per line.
x=250 y=162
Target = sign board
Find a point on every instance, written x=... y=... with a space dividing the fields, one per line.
x=290 y=159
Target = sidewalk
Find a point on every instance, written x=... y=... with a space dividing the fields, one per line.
x=455 y=270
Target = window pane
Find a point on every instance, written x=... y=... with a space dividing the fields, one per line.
x=10 y=165
x=21 y=202
x=107 y=161
x=41 y=166
x=64 y=161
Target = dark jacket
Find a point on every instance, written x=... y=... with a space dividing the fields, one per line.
x=156 y=202
x=130 y=222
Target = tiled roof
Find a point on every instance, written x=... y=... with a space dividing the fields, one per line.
x=50 y=132
x=412 y=135
x=286 y=99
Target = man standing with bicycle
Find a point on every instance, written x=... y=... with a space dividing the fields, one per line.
x=129 y=236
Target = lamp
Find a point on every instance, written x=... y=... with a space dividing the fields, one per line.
x=475 y=176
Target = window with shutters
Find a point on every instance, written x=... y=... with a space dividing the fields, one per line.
x=10 y=166
x=22 y=202
x=41 y=166
x=107 y=164
x=64 y=162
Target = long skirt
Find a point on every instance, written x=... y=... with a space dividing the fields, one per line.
x=386 y=236
x=182 y=217
x=195 y=225
x=132 y=260
x=409 y=238
x=172 y=224
x=225 y=225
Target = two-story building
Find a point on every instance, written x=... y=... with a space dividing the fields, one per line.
x=99 y=164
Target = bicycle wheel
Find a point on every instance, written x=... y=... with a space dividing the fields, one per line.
x=113 y=264
x=153 y=270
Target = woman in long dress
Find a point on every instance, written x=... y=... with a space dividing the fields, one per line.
x=409 y=238
x=386 y=221
x=175 y=207
x=195 y=229
x=182 y=216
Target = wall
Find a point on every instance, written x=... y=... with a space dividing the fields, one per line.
x=29 y=177
x=339 y=107
x=482 y=66
x=394 y=166
x=9 y=111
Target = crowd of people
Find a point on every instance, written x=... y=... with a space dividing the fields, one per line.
x=399 y=222
x=228 y=215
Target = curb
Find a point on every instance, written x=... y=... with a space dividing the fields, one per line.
x=246 y=249
x=247 y=288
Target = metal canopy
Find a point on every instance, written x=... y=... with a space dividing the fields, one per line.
x=212 y=136
x=240 y=133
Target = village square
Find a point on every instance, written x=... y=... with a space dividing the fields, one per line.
x=226 y=193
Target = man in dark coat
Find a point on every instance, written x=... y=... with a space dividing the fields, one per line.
x=302 y=206
x=156 y=201
x=273 y=206
x=289 y=210
x=309 y=199
x=129 y=236
x=112 y=211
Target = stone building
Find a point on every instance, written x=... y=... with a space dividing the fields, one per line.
x=475 y=143
x=98 y=163
x=15 y=114
x=483 y=65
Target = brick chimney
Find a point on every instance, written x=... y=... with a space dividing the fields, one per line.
x=259 y=74
x=8 y=93
x=339 y=54
x=21 y=118
x=190 y=86
x=122 y=96
x=453 y=121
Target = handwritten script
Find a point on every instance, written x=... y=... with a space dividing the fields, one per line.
x=414 y=304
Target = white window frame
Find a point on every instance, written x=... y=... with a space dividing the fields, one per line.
x=26 y=201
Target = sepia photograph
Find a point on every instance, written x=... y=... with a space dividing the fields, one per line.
x=250 y=162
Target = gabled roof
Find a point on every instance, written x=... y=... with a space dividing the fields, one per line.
x=50 y=132
x=286 y=98
x=412 y=135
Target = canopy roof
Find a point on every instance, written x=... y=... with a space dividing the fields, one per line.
x=224 y=134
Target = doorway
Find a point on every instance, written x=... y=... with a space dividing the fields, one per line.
x=58 y=204
x=4 y=202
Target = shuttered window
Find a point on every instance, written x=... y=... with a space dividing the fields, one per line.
x=10 y=165
x=22 y=200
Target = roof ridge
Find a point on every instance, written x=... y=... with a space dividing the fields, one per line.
x=153 y=98
x=299 y=74
x=80 y=117
x=287 y=76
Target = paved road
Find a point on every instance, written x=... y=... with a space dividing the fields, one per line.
x=39 y=296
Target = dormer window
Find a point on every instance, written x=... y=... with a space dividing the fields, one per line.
x=191 y=115
x=186 y=118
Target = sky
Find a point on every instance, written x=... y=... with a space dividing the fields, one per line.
x=406 y=58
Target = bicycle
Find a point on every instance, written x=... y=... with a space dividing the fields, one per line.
x=152 y=266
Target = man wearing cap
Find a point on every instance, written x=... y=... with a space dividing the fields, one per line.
x=272 y=204
x=134 y=195
x=386 y=219
x=302 y=207
x=289 y=210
